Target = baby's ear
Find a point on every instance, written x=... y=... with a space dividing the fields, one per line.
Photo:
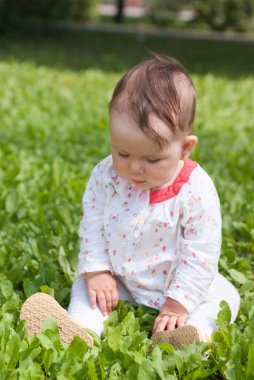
x=188 y=145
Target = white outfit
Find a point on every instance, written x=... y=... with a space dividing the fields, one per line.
x=203 y=317
x=158 y=243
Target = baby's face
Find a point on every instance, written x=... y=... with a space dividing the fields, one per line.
x=139 y=159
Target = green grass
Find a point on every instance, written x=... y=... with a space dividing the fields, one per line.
x=54 y=91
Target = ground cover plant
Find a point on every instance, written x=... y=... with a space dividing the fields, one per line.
x=54 y=91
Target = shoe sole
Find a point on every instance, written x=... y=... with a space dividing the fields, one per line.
x=40 y=306
x=179 y=337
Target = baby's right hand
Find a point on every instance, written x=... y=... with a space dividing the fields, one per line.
x=101 y=287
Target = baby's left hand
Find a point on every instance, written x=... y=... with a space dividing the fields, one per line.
x=172 y=314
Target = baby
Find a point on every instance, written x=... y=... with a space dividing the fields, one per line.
x=151 y=230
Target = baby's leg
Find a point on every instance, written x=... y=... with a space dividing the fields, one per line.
x=39 y=307
x=80 y=310
x=201 y=322
x=204 y=316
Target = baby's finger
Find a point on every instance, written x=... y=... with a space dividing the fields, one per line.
x=171 y=323
x=156 y=322
x=108 y=298
x=102 y=302
x=92 y=298
x=114 y=298
x=181 y=321
x=160 y=324
x=109 y=307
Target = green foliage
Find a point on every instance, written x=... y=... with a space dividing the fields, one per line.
x=226 y=15
x=163 y=12
x=124 y=350
x=83 y=9
x=19 y=12
x=54 y=128
x=221 y=15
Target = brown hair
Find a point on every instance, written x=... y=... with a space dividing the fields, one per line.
x=159 y=86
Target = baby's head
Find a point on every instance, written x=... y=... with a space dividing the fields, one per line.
x=161 y=87
x=151 y=116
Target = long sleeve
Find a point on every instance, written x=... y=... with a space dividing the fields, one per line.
x=93 y=255
x=200 y=244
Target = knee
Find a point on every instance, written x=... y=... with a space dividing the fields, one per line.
x=233 y=302
x=227 y=291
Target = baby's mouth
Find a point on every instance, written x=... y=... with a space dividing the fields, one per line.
x=138 y=181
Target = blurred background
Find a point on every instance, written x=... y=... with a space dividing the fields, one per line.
x=222 y=15
x=59 y=63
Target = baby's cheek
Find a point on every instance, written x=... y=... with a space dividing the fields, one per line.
x=154 y=172
x=120 y=168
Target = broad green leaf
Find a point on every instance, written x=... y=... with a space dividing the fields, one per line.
x=45 y=341
x=50 y=329
x=34 y=247
x=250 y=364
x=47 y=290
x=48 y=358
x=6 y=288
x=12 y=376
x=157 y=362
x=115 y=372
x=96 y=338
x=64 y=263
x=78 y=348
x=114 y=338
x=12 y=353
x=146 y=371
x=166 y=347
x=239 y=277
x=129 y=325
x=93 y=369
x=224 y=316
x=31 y=370
x=112 y=320
x=5 y=331
x=31 y=351
x=11 y=202
x=234 y=370
x=64 y=216
x=29 y=286
x=179 y=363
x=57 y=170
x=141 y=371
x=2 y=365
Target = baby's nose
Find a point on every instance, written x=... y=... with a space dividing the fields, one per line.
x=136 y=167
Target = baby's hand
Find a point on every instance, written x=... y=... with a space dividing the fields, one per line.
x=101 y=287
x=172 y=314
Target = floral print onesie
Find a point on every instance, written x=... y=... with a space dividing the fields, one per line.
x=159 y=243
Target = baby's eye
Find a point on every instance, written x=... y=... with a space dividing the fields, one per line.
x=153 y=161
x=123 y=154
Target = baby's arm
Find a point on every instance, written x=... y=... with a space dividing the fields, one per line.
x=94 y=261
x=198 y=256
x=101 y=287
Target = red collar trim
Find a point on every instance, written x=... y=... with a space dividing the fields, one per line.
x=160 y=195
